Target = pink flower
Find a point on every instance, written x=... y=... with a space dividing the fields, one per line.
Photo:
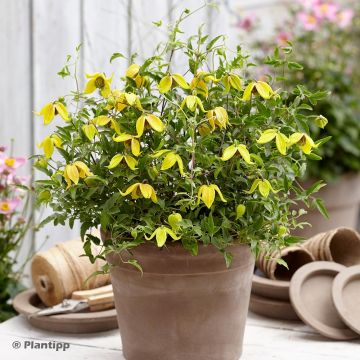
x=8 y=206
x=282 y=38
x=247 y=23
x=308 y=4
x=326 y=10
x=308 y=21
x=8 y=164
x=344 y=17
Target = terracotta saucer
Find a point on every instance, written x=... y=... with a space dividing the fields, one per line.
x=275 y=289
x=27 y=302
x=276 y=309
x=346 y=296
x=310 y=294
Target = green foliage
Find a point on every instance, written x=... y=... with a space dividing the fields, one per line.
x=172 y=157
x=328 y=56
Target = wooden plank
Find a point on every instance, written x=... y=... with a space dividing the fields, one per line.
x=15 y=94
x=278 y=340
x=56 y=33
x=105 y=26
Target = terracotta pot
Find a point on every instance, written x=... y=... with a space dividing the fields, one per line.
x=341 y=245
x=342 y=200
x=183 y=307
x=295 y=257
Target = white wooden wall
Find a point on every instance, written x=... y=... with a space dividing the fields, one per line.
x=36 y=36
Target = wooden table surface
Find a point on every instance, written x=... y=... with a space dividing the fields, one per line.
x=264 y=339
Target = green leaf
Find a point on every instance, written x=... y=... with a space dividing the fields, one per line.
x=282 y=262
x=315 y=187
x=295 y=66
x=320 y=205
x=313 y=156
x=116 y=56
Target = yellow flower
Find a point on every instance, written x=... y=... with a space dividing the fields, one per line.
x=218 y=117
x=129 y=140
x=132 y=72
x=173 y=220
x=232 y=81
x=198 y=83
x=281 y=140
x=117 y=159
x=172 y=80
x=140 y=190
x=121 y=100
x=98 y=81
x=304 y=141
x=264 y=187
x=49 y=143
x=261 y=87
x=103 y=120
x=321 y=121
x=50 y=110
x=170 y=160
x=206 y=193
x=148 y=120
x=161 y=234
x=192 y=102
x=89 y=130
x=76 y=171
x=231 y=150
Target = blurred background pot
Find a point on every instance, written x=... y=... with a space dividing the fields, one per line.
x=183 y=307
x=342 y=200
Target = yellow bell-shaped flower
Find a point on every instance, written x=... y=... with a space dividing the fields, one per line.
x=129 y=140
x=304 y=141
x=98 y=81
x=262 y=88
x=141 y=190
x=231 y=150
x=118 y=158
x=50 y=110
x=49 y=144
x=281 y=140
x=161 y=233
x=218 y=117
x=206 y=194
x=264 y=187
x=76 y=171
x=148 y=120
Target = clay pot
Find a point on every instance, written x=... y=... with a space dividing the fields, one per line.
x=341 y=245
x=342 y=200
x=295 y=257
x=184 y=307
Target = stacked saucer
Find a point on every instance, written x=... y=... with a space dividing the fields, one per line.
x=324 y=294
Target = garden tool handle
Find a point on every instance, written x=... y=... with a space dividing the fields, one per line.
x=101 y=302
x=98 y=299
x=84 y=294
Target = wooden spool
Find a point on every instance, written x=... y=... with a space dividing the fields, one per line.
x=61 y=270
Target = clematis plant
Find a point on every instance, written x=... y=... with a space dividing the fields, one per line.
x=14 y=225
x=181 y=154
x=324 y=35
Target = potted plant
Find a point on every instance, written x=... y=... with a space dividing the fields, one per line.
x=325 y=39
x=187 y=172
x=15 y=222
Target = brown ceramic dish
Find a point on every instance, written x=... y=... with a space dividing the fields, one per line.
x=276 y=309
x=310 y=294
x=27 y=303
x=346 y=296
x=274 y=289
